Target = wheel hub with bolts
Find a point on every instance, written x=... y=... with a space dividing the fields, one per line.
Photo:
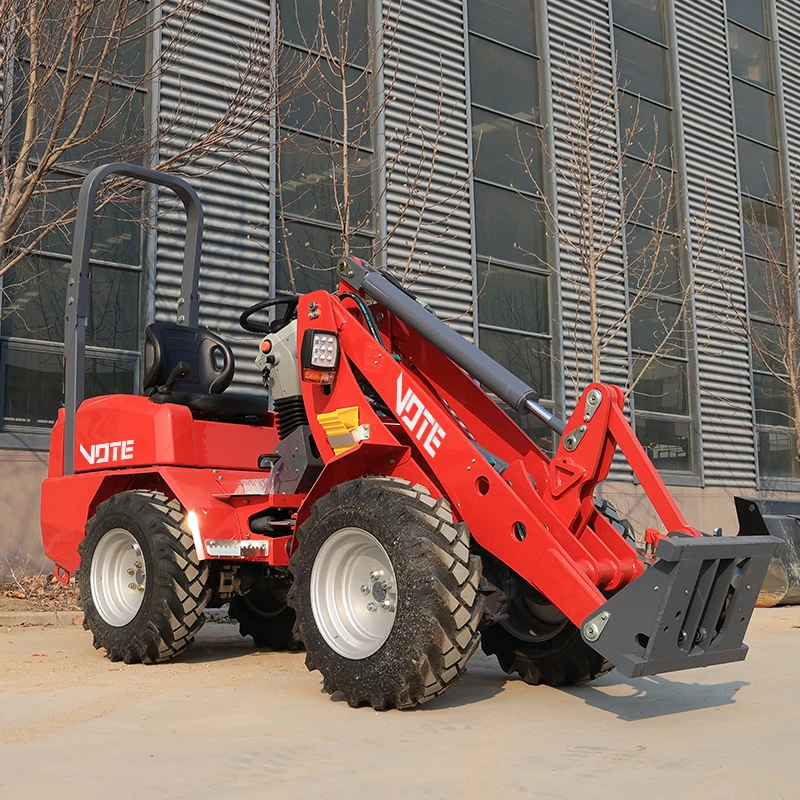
x=118 y=577
x=353 y=593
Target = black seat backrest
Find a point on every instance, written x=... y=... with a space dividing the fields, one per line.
x=209 y=358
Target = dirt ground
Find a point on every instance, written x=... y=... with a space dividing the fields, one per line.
x=38 y=593
x=231 y=722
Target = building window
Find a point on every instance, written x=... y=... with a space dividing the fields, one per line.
x=34 y=289
x=326 y=168
x=653 y=246
x=758 y=141
x=513 y=293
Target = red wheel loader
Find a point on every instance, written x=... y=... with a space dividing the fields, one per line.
x=376 y=504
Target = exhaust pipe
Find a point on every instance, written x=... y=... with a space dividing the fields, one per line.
x=779 y=518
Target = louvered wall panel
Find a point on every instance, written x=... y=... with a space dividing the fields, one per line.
x=425 y=64
x=235 y=192
x=723 y=360
x=571 y=29
x=789 y=43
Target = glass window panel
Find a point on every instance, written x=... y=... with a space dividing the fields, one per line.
x=755 y=113
x=34 y=388
x=313 y=99
x=642 y=67
x=649 y=195
x=307 y=185
x=647 y=127
x=34 y=384
x=35 y=294
x=506 y=151
x=527 y=357
x=124 y=60
x=533 y=426
x=759 y=171
x=770 y=287
x=772 y=398
x=651 y=322
x=112 y=129
x=642 y=16
x=114 y=309
x=768 y=346
x=510 y=21
x=504 y=80
x=748 y=12
x=49 y=221
x=509 y=227
x=337 y=26
x=763 y=230
x=667 y=442
x=110 y=376
x=777 y=454
x=653 y=261
x=749 y=56
x=312 y=256
x=511 y=298
x=662 y=387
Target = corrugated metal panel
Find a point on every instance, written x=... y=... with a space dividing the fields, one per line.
x=572 y=26
x=712 y=181
x=425 y=58
x=235 y=194
x=789 y=44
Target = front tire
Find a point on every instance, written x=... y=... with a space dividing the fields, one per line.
x=541 y=645
x=142 y=588
x=385 y=592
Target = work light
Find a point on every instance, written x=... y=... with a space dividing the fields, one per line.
x=319 y=356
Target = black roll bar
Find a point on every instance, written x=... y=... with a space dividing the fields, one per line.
x=77 y=307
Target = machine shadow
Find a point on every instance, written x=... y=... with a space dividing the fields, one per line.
x=467 y=691
x=649 y=698
x=656 y=696
x=222 y=642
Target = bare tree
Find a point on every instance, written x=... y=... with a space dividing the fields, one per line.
x=602 y=155
x=329 y=165
x=73 y=75
x=773 y=324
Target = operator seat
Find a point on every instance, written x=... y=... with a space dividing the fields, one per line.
x=210 y=365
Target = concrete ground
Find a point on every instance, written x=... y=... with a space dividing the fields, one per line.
x=230 y=722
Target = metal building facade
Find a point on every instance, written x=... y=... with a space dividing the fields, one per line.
x=429 y=60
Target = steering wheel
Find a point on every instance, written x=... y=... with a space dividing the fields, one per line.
x=290 y=301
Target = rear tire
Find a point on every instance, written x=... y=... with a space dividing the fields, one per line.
x=623 y=525
x=142 y=588
x=264 y=614
x=395 y=540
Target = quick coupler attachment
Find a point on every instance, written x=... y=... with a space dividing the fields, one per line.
x=690 y=609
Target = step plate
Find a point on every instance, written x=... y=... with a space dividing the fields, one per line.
x=691 y=609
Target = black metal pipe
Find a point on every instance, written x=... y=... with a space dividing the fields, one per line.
x=475 y=362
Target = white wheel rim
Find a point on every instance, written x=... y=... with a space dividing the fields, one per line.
x=117 y=577
x=353 y=593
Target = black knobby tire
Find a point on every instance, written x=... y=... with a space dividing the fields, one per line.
x=560 y=659
x=559 y=656
x=623 y=525
x=176 y=588
x=435 y=628
x=264 y=614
